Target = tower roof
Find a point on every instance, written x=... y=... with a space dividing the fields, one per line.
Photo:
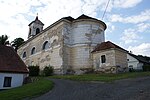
x=36 y=21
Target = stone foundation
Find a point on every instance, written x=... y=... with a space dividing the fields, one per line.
x=111 y=69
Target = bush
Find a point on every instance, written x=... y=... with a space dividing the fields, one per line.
x=33 y=70
x=48 y=71
x=146 y=68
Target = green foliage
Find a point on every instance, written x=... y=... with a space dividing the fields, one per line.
x=146 y=68
x=17 y=42
x=36 y=88
x=48 y=71
x=33 y=70
x=4 y=40
x=102 y=77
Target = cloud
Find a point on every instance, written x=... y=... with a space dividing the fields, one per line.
x=129 y=36
x=17 y=14
x=143 y=27
x=110 y=27
x=134 y=19
x=142 y=49
x=126 y=3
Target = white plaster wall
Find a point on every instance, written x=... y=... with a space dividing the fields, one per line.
x=84 y=36
x=51 y=56
x=87 y=33
x=17 y=80
x=80 y=57
x=134 y=62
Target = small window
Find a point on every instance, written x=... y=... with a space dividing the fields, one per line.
x=24 y=55
x=33 y=51
x=29 y=31
x=103 y=59
x=7 y=81
x=130 y=66
x=127 y=59
x=45 y=45
x=37 y=30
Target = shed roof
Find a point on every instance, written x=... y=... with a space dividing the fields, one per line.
x=107 y=45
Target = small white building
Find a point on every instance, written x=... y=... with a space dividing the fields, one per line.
x=13 y=71
x=136 y=62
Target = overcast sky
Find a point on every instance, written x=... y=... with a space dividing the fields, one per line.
x=128 y=21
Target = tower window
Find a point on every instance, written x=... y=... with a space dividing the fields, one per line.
x=37 y=30
x=33 y=51
x=29 y=31
x=45 y=45
x=24 y=55
x=103 y=59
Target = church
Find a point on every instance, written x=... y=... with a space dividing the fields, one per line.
x=71 y=46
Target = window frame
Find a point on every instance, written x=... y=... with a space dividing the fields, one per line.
x=29 y=31
x=7 y=81
x=103 y=59
x=24 y=55
x=44 y=47
x=37 y=30
x=33 y=50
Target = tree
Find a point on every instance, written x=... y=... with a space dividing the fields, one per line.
x=34 y=70
x=4 y=40
x=17 y=42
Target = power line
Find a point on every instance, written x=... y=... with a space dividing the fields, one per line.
x=105 y=9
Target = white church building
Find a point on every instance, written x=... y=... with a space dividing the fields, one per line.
x=67 y=44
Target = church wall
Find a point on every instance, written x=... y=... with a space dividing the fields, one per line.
x=121 y=59
x=82 y=37
x=85 y=32
x=51 y=56
x=80 y=57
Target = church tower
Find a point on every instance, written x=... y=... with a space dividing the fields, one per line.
x=35 y=27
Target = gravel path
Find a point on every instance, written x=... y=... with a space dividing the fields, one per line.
x=127 y=89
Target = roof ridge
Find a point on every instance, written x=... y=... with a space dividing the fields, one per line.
x=107 y=45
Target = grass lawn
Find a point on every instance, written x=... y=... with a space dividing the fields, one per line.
x=102 y=77
x=27 y=91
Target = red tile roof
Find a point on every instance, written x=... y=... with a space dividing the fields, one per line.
x=10 y=61
x=106 y=45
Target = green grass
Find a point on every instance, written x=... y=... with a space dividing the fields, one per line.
x=27 y=91
x=102 y=77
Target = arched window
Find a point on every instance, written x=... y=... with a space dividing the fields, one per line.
x=37 y=30
x=45 y=45
x=24 y=55
x=33 y=51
